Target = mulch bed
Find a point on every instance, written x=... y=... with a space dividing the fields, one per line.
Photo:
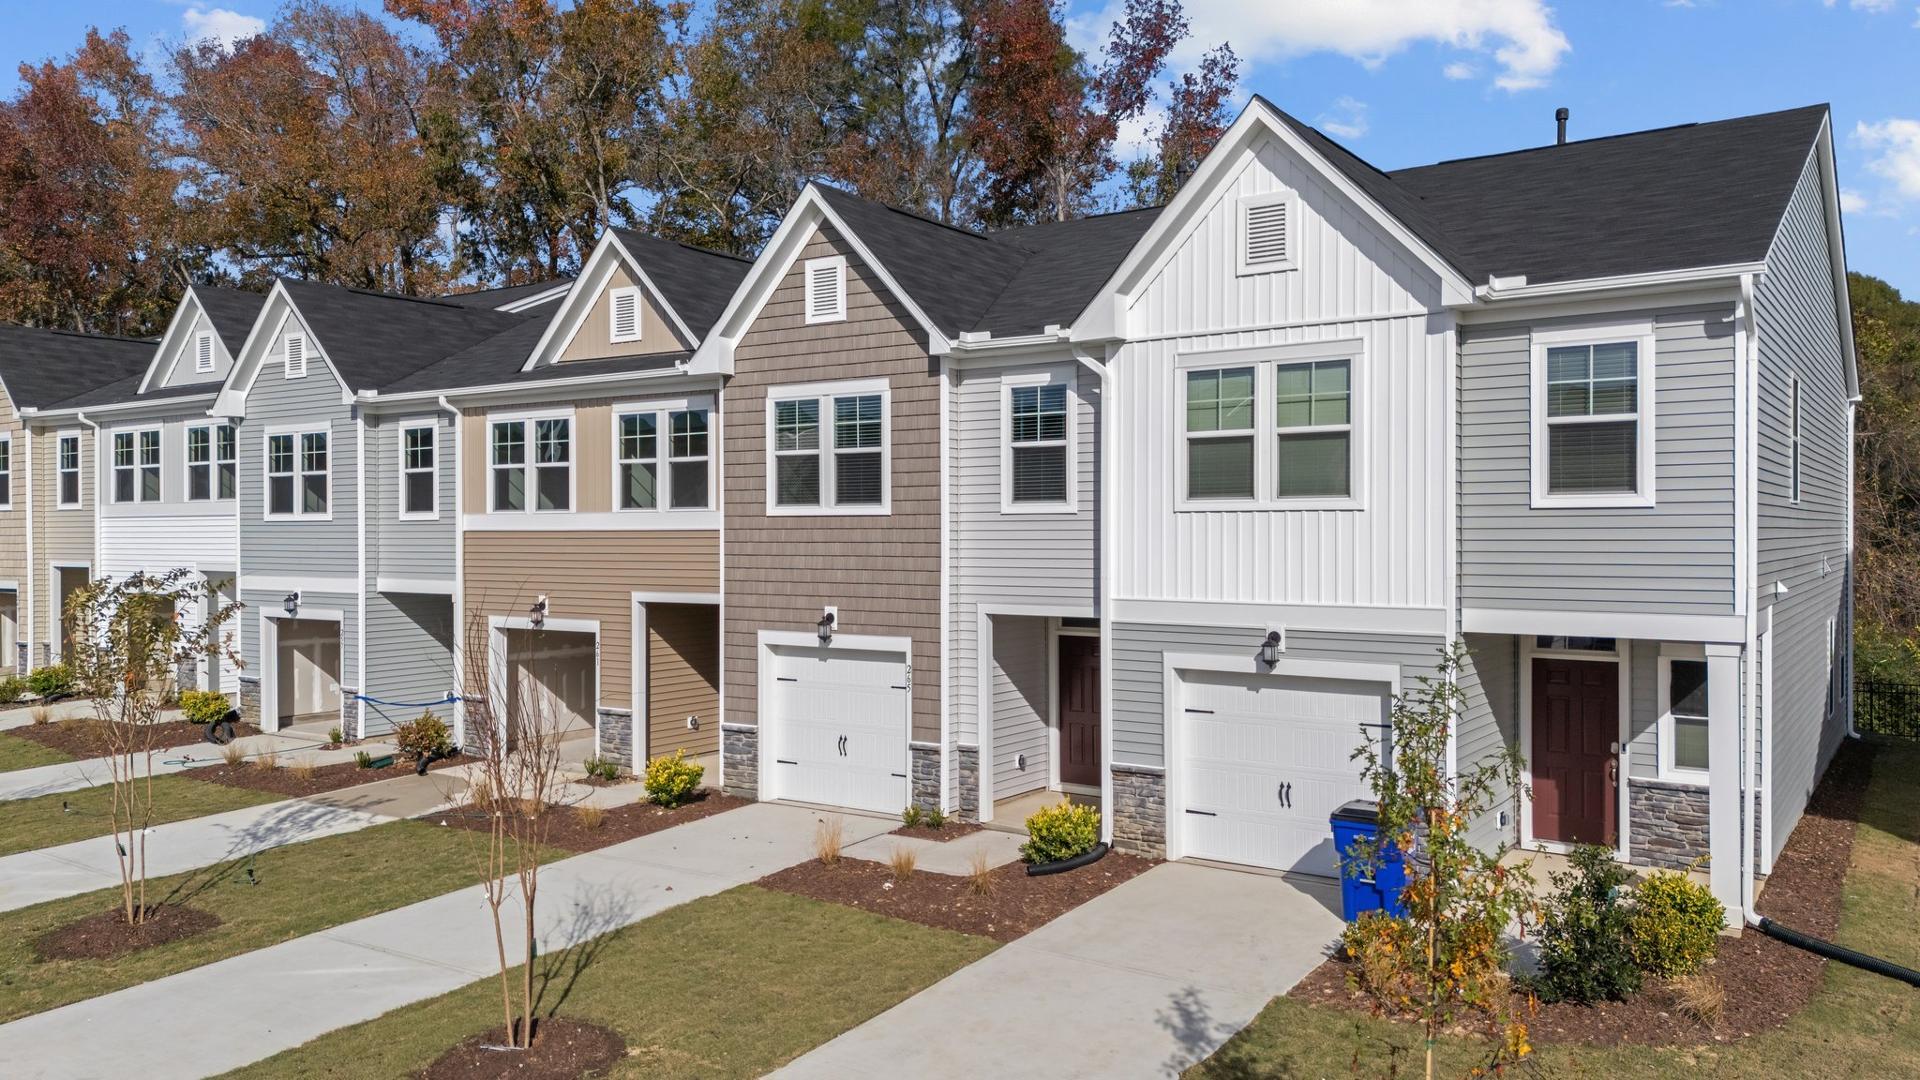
x=1766 y=981
x=80 y=737
x=286 y=781
x=1016 y=905
x=567 y=829
x=952 y=830
x=106 y=935
x=562 y=1050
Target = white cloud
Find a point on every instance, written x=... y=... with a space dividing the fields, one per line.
x=1136 y=136
x=1345 y=118
x=1878 y=7
x=1895 y=148
x=1459 y=70
x=222 y=25
x=1852 y=202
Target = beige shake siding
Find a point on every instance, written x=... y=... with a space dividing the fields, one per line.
x=683 y=678
x=13 y=531
x=60 y=536
x=592 y=342
x=882 y=572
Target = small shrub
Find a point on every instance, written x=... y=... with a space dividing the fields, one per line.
x=363 y=759
x=1377 y=944
x=1061 y=832
x=203 y=706
x=1700 y=998
x=12 y=689
x=422 y=737
x=827 y=838
x=672 y=780
x=1674 y=926
x=902 y=861
x=589 y=816
x=52 y=682
x=335 y=737
x=268 y=760
x=980 y=873
x=605 y=770
x=303 y=770
x=1584 y=952
x=935 y=818
x=41 y=715
x=233 y=755
x=911 y=817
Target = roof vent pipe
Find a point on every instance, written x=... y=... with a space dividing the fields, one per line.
x=1560 y=121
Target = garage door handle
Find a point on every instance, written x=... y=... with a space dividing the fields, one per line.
x=786 y=678
x=1203 y=712
x=1204 y=813
x=784 y=761
x=901 y=775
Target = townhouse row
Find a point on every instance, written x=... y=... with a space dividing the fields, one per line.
x=1158 y=509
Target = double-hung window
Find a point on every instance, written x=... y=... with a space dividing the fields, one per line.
x=662 y=457
x=1313 y=425
x=298 y=474
x=67 y=461
x=6 y=472
x=210 y=462
x=136 y=466
x=1593 y=417
x=1037 y=469
x=1683 y=719
x=419 y=479
x=1220 y=433
x=1272 y=428
x=637 y=464
x=531 y=460
x=828 y=449
x=687 y=458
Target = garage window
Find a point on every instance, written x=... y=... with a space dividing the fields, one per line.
x=828 y=449
x=531 y=462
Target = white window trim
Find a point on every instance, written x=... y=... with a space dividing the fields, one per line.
x=1266 y=435
x=573 y=458
x=613 y=295
x=266 y=484
x=212 y=429
x=825 y=393
x=663 y=477
x=113 y=465
x=203 y=345
x=1061 y=376
x=1645 y=378
x=1242 y=267
x=286 y=363
x=1665 y=768
x=433 y=427
x=6 y=477
x=839 y=312
x=1793 y=437
x=79 y=471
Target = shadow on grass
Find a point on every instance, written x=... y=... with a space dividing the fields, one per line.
x=1897 y=812
x=590 y=925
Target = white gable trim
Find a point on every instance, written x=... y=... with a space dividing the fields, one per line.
x=268 y=328
x=1837 y=252
x=567 y=323
x=1105 y=317
x=173 y=343
x=777 y=260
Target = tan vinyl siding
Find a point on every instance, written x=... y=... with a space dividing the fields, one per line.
x=683 y=678
x=585 y=575
x=593 y=439
x=13 y=519
x=592 y=340
x=882 y=572
x=60 y=536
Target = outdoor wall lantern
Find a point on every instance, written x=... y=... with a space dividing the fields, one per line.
x=537 y=614
x=291 y=603
x=825 y=627
x=1270 y=648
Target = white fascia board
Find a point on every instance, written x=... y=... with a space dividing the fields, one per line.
x=1728 y=273
x=608 y=254
x=527 y=303
x=171 y=341
x=1837 y=252
x=183 y=406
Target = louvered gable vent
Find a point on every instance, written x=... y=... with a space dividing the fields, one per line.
x=1266 y=235
x=624 y=309
x=826 y=285
x=203 y=353
x=296 y=350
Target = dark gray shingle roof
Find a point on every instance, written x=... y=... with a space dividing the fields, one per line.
x=232 y=312
x=128 y=390
x=697 y=283
x=497 y=360
x=506 y=294
x=43 y=367
x=375 y=339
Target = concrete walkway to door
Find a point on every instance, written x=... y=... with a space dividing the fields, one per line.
x=237 y=1011
x=1143 y=981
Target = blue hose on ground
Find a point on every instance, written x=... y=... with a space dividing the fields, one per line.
x=448 y=700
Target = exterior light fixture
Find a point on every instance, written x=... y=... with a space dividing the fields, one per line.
x=537 y=614
x=825 y=627
x=1270 y=648
x=291 y=603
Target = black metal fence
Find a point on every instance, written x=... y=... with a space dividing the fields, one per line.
x=1887 y=708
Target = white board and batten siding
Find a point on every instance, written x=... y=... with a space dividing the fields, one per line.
x=1351 y=283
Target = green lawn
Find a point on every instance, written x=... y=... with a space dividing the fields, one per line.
x=731 y=985
x=294 y=890
x=19 y=753
x=27 y=824
x=1856 y=1025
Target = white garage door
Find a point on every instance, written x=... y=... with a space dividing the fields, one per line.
x=1265 y=760
x=837 y=725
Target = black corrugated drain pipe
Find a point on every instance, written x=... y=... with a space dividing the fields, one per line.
x=1836 y=952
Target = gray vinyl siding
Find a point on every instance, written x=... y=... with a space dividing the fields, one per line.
x=1489 y=683
x=1803 y=545
x=413 y=548
x=1048 y=561
x=173 y=468
x=1139 y=673
x=181 y=372
x=1676 y=557
x=270 y=602
x=409 y=658
x=410 y=636
x=1021 y=692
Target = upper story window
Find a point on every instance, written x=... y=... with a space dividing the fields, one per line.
x=1683 y=713
x=1220 y=443
x=826 y=285
x=6 y=471
x=1793 y=433
x=67 y=462
x=1266 y=233
x=828 y=449
x=531 y=462
x=294 y=347
x=1277 y=433
x=1036 y=465
x=203 y=352
x=1593 y=417
x=1313 y=423
x=298 y=474
x=419 y=479
x=623 y=314
x=210 y=462
x=136 y=466
x=641 y=433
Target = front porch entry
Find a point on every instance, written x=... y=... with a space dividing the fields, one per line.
x=1576 y=746
x=1039 y=710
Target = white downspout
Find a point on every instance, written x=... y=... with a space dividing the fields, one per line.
x=1108 y=490
x=29 y=582
x=1748 y=562
x=459 y=578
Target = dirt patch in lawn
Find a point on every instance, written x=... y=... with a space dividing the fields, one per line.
x=106 y=935
x=1765 y=981
x=295 y=782
x=952 y=830
x=576 y=831
x=81 y=737
x=562 y=1050
x=1012 y=906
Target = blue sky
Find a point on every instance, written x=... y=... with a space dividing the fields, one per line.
x=1404 y=82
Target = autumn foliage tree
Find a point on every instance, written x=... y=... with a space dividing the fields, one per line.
x=1198 y=113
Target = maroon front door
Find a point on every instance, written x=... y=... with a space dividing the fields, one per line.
x=1080 y=710
x=1576 y=722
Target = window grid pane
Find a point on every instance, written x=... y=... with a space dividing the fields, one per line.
x=856 y=422
x=1038 y=414
x=687 y=434
x=638 y=437
x=1314 y=394
x=796 y=425
x=1220 y=400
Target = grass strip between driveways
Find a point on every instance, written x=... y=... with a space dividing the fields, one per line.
x=41 y=822
x=1856 y=1024
x=17 y=753
x=731 y=985
x=294 y=890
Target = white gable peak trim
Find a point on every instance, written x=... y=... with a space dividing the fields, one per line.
x=176 y=341
x=570 y=319
x=269 y=328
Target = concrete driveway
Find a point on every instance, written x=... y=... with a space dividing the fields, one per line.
x=1143 y=981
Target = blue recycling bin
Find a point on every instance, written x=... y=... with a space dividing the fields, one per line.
x=1374 y=888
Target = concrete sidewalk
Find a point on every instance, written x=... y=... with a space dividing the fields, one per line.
x=1143 y=981
x=33 y=877
x=92 y=772
x=279 y=997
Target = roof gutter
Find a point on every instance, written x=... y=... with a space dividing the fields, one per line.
x=375 y=397
x=979 y=342
x=120 y=407
x=1499 y=288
